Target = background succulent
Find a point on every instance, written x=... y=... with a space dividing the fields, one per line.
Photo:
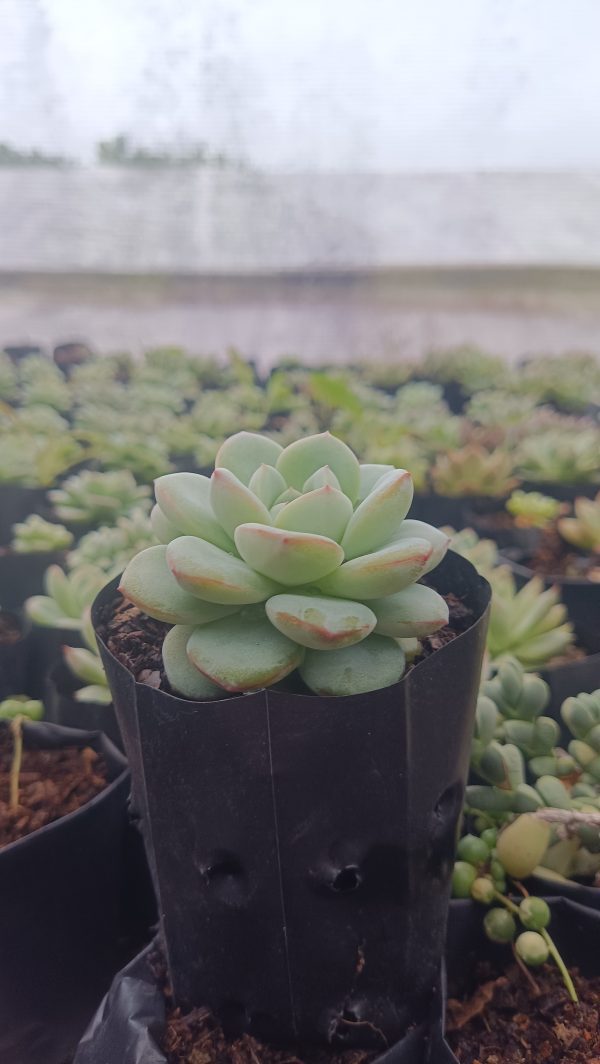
x=529 y=624
x=472 y=470
x=67 y=596
x=531 y=509
x=583 y=530
x=111 y=547
x=482 y=553
x=85 y=663
x=561 y=456
x=97 y=498
x=295 y=558
x=471 y=367
x=36 y=461
x=36 y=535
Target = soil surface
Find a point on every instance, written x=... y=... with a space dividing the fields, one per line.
x=553 y=557
x=507 y=1021
x=136 y=640
x=52 y=784
x=10 y=629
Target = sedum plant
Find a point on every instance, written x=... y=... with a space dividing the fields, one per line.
x=35 y=461
x=67 y=596
x=110 y=548
x=529 y=624
x=582 y=717
x=287 y=558
x=583 y=530
x=36 y=535
x=97 y=498
x=561 y=455
x=531 y=509
x=473 y=470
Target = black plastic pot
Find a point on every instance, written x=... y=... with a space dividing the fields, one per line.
x=582 y=893
x=302 y=846
x=571 y=679
x=459 y=511
x=22 y=575
x=129 y=1023
x=15 y=658
x=574 y=928
x=46 y=651
x=562 y=492
x=16 y=503
x=17 y=352
x=63 y=708
x=60 y=908
x=580 y=596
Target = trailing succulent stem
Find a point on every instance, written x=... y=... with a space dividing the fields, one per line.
x=287 y=558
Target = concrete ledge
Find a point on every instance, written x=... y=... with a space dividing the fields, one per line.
x=197 y=220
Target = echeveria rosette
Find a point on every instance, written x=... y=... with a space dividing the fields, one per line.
x=287 y=558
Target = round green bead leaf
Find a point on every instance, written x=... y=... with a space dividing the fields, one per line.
x=243 y=653
x=183 y=676
x=375 y=662
x=379 y=574
x=320 y=623
x=325 y=511
x=184 y=499
x=522 y=845
x=376 y=520
x=304 y=457
x=149 y=583
x=214 y=575
x=415 y=612
x=233 y=503
x=243 y=453
x=290 y=558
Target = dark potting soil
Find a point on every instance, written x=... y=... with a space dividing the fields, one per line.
x=136 y=640
x=52 y=783
x=196 y=1037
x=507 y=1021
x=10 y=629
x=553 y=557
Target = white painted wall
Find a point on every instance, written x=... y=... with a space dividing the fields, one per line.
x=376 y=85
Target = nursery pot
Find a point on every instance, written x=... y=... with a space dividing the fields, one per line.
x=22 y=575
x=302 y=846
x=457 y=511
x=63 y=708
x=16 y=503
x=15 y=654
x=580 y=596
x=60 y=898
x=570 y=679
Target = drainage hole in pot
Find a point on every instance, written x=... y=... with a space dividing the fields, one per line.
x=447 y=808
x=346 y=880
x=224 y=874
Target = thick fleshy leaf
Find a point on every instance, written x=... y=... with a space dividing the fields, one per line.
x=85 y=665
x=374 y=663
x=216 y=576
x=243 y=653
x=415 y=612
x=184 y=499
x=149 y=583
x=380 y=516
x=233 y=503
x=163 y=529
x=288 y=495
x=323 y=476
x=320 y=623
x=267 y=484
x=183 y=676
x=369 y=476
x=410 y=528
x=48 y=614
x=325 y=511
x=290 y=558
x=382 y=573
x=243 y=453
x=304 y=457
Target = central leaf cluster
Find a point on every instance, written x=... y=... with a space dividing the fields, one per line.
x=287 y=558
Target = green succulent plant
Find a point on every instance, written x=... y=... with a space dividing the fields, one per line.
x=295 y=558
x=86 y=664
x=500 y=409
x=21 y=706
x=582 y=717
x=531 y=509
x=145 y=457
x=561 y=456
x=482 y=553
x=583 y=530
x=67 y=596
x=97 y=498
x=36 y=461
x=111 y=547
x=473 y=470
x=8 y=379
x=529 y=624
x=569 y=381
x=474 y=369
x=38 y=420
x=36 y=535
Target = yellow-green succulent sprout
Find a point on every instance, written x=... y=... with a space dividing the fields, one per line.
x=531 y=509
x=287 y=558
x=583 y=530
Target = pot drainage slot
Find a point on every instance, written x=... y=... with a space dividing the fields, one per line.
x=346 y=880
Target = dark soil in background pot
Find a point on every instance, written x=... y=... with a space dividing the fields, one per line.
x=507 y=1021
x=52 y=783
x=552 y=556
